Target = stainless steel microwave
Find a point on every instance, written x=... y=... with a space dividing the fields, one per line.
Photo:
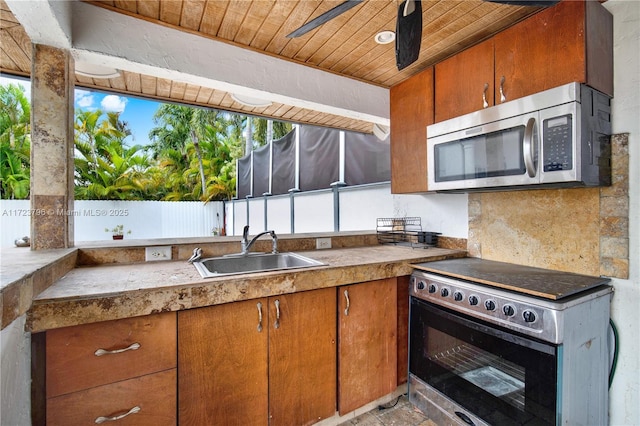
x=556 y=138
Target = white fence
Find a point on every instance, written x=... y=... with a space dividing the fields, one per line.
x=353 y=208
x=145 y=219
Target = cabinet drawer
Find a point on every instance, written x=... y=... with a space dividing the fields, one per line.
x=72 y=363
x=154 y=395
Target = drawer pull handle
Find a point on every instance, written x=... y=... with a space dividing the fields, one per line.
x=132 y=347
x=259 y=317
x=100 y=420
x=346 y=296
x=277 y=323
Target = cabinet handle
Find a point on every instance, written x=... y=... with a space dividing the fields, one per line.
x=502 y=96
x=346 y=296
x=259 y=317
x=277 y=323
x=101 y=419
x=132 y=347
x=484 y=96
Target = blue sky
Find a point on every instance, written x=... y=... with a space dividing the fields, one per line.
x=138 y=113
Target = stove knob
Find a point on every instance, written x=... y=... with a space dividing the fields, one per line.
x=457 y=296
x=473 y=300
x=490 y=305
x=529 y=316
x=444 y=292
x=420 y=285
x=508 y=310
x=432 y=288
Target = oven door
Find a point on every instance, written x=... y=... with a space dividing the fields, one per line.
x=500 y=377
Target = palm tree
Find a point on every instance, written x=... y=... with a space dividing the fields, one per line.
x=191 y=145
x=15 y=142
x=96 y=133
x=119 y=175
x=261 y=133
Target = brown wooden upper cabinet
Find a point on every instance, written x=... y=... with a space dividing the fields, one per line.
x=411 y=111
x=572 y=41
x=464 y=82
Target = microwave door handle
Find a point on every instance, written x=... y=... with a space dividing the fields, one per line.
x=528 y=147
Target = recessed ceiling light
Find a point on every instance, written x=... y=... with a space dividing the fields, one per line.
x=250 y=102
x=385 y=37
x=95 y=71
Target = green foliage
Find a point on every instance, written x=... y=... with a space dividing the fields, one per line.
x=15 y=142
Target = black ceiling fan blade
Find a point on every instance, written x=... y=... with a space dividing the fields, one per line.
x=325 y=17
x=543 y=3
x=408 y=33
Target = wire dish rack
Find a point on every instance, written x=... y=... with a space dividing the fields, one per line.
x=404 y=231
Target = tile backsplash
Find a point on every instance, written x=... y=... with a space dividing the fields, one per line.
x=582 y=230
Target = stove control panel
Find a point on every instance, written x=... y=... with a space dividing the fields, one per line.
x=510 y=310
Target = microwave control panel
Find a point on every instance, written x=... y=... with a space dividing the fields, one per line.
x=556 y=143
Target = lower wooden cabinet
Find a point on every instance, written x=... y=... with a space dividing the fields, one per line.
x=258 y=362
x=403 y=329
x=122 y=370
x=141 y=401
x=367 y=343
x=222 y=359
x=269 y=361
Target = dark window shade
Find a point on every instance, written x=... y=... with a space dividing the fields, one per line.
x=366 y=160
x=244 y=176
x=319 y=157
x=261 y=160
x=284 y=164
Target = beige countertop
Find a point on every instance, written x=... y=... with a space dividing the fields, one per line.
x=112 y=291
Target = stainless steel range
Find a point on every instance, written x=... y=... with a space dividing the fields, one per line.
x=499 y=344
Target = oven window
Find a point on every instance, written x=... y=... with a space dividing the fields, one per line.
x=498 y=375
x=487 y=155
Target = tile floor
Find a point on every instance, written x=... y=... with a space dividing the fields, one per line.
x=401 y=414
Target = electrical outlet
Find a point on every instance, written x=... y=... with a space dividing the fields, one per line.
x=152 y=254
x=323 y=243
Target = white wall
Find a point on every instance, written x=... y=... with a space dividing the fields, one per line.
x=624 y=396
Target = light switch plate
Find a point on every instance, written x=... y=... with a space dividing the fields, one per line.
x=151 y=254
x=323 y=243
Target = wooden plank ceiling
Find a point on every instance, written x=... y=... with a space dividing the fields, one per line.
x=344 y=45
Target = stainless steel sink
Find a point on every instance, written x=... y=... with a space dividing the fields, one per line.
x=252 y=262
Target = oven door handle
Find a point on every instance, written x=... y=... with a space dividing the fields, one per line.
x=464 y=418
x=482 y=327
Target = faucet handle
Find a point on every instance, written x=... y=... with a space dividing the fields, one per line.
x=274 y=242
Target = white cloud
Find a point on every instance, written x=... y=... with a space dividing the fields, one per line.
x=84 y=99
x=113 y=103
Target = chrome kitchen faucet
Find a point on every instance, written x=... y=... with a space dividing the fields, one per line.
x=246 y=246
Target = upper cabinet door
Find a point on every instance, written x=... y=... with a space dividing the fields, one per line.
x=569 y=42
x=464 y=82
x=411 y=112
